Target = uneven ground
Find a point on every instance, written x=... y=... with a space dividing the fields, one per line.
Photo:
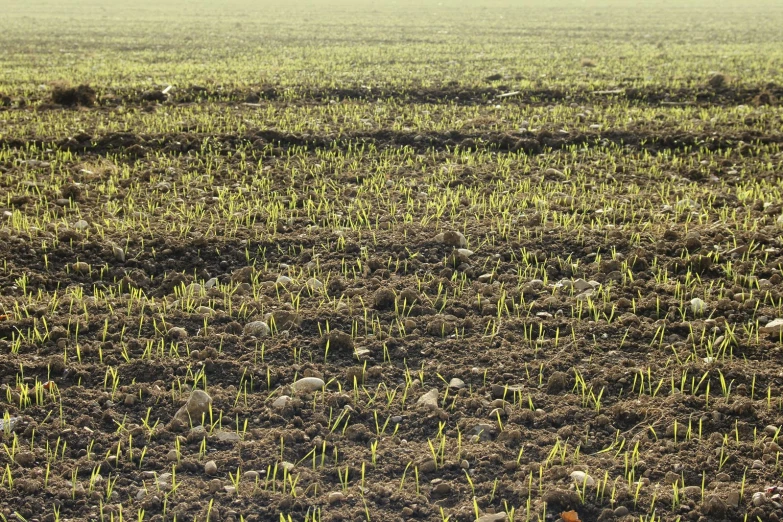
x=574 y=209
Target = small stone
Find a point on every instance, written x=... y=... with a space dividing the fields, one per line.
x=464 y=464
x=281 y=402
x=172 y=456
x=671 y=478
x=195 y=409
x=210 y=468
x=283 y=280
x=230 y=489
x=429 y=399
x=81 y=225
x=452 y=238
x=119 y=253
x=713 y=506
x=307 y=385
x=228 y=436
x=164 y=480
x=774 y=327
x=335 y=497
x=314 y=284
x=497 y=413
x=456 y=384
x=580 y=285
x=621 y=511
x=442 y=489
x=251 y=476
x=11 y=424
x=759 y=499
x=581 y=478
x=81 y=267
x=698 y=306
x=733 y=499
x=256 y=329
x=757 y=464
x=501 y=516
x=482 y=432
x=771 y=430
x=215 y=485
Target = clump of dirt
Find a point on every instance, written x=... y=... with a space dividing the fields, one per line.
x=718 y=81
x=156 y=96
x=384 y=299
x=83 y=95
x=337 y=342
x=72 y=191
x=765 y=97
x=587 y=62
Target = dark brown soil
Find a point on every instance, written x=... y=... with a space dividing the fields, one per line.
x=628 y=395
x=710 y=93
x=132 y=145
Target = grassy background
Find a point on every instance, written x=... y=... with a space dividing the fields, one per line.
x=400 y=44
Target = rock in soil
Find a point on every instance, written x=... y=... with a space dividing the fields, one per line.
x=452 y=238
x=307 y=385
x=429 y=399
x=494 y=517
x=195 y=409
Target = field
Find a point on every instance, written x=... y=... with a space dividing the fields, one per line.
x=352 y=260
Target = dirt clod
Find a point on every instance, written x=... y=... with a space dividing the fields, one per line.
x=337 y=342
x=557 y=382
x=384 y=299
x=83 y=95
